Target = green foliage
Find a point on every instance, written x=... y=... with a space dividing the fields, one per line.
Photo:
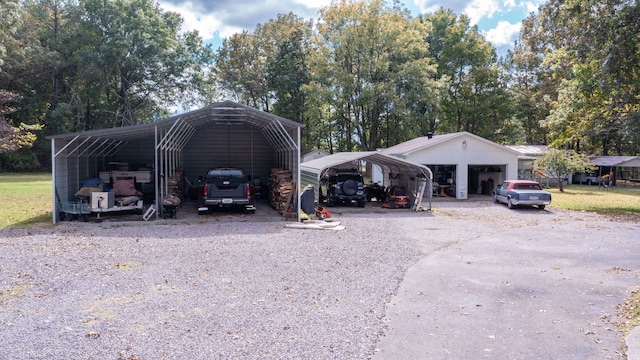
x=368 y=75
x=530 y=88
x=20 y=161
x=13 y=138
x=586 y=53
x=241 y=70
x=106 y=63
x=139 y=55
x=476 y=99
x=268 y=65
x=371 y=67
x=560 y=163
x=9 y=17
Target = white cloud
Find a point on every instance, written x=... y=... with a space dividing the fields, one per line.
x=427 y=6
x=313 y=4
x=478 y=9
x=508 y=4
x=223 y=18
x=504 y=34
x=532 y=6
x=207 y=24
x=218 y=19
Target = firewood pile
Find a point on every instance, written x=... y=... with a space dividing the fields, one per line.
x=175 y=189
x=280 y=189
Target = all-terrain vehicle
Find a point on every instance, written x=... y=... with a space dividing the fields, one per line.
x=343 y=186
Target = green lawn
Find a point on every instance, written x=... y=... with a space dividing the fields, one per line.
x=617 y=201
x=25 y=199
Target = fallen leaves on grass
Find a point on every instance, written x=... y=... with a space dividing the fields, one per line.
x=630 y=310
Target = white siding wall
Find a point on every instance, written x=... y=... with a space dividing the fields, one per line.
x=476 y=152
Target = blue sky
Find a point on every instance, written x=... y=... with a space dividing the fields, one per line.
x=498 y=20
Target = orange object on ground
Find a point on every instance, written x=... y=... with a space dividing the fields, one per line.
x=322 y=213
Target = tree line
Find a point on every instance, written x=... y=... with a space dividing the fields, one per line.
x=366 y=75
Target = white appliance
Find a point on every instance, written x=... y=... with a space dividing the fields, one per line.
x=102 y=200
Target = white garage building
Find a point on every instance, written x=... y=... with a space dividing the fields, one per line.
x=462 y=163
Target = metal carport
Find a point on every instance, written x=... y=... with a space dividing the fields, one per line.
x=631 y=162
x=223 y=134
x=395 y=171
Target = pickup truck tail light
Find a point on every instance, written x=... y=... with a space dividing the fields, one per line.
x=204 y=191
x=248 y=191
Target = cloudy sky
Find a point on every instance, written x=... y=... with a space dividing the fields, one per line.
x=215 y=20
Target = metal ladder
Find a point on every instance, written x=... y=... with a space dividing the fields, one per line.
x=417 y=203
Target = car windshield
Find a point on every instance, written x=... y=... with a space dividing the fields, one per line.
x=226 y=174
x=527 y=187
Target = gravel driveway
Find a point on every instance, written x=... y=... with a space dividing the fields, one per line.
x=393 y=284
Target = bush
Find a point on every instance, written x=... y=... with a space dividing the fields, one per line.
x=20 y=161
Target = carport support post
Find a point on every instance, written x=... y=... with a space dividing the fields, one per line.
x=156 y=180
x=298 y=207
x=53 y=180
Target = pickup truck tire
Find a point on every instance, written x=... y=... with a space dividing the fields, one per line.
x=350 y=187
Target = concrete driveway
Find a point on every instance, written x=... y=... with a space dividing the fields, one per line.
x=544 y=287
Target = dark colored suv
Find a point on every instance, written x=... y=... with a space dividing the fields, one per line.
x=344 y=186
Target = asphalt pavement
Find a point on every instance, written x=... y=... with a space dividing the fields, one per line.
x=545 y=291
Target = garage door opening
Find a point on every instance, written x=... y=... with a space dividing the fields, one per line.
x=444 y=180
x=484 y=178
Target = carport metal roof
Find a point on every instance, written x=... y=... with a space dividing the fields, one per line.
x=172 y=135
x=388 y=163
x=276 y=129
x=622 y=161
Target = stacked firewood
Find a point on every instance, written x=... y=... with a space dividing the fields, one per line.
x=175 y=189
x=281 y=190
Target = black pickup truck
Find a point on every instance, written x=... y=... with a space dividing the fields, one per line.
x=226 y=188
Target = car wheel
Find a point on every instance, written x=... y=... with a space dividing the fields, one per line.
x=541 y=207
x=495 y=199
x=362 y=203
x=510 y=204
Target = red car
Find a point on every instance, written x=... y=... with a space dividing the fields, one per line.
x=522 y=192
